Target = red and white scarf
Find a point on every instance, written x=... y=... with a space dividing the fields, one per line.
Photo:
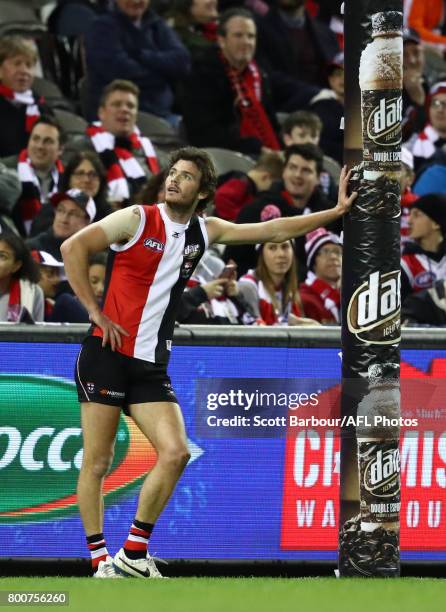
x=21 y=298
x=254 y=122
x=26 y=98
x=329 y=296
x=268 y=313
x=125 y=176
x=30 y=201
x=425 y=143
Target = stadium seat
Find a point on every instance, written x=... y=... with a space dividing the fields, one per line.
x=71 y=124
x=227 y=161
x=51 y=92
x=19 y=18
x=159 y=130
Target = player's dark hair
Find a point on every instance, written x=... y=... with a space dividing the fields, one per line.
x=308 y=151
x=204 y=163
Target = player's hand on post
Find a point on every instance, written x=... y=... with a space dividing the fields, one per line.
x=111 y=331
x=345 y=201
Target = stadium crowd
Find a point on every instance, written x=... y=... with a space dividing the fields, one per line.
x=260 y=85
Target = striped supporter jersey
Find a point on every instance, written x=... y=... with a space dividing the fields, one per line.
x=145 y=279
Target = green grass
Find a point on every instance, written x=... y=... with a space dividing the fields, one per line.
x=240 y=594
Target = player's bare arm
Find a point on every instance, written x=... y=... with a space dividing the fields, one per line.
x=279 y=230
x=76 y=251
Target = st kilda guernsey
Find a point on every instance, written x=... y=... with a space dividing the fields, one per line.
x=145 y=279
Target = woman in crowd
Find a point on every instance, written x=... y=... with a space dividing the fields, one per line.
x=271 y=289
x=85 y=171
x=21 y=298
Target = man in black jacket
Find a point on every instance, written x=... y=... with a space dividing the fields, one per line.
x=132 y=42
x=230 y=101
x=298 y=193
x=295 y=44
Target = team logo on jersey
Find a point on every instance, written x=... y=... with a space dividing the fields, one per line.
x=192 y=251
x=153 y=244
x=425 y=279
x=90 y=387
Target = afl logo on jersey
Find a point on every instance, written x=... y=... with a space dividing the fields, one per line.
x=192 y=251
x=154 y=245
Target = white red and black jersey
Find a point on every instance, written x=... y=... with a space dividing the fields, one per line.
x=145 y=279
x=420 y=270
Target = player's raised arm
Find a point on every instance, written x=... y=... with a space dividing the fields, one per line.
x=76 y=251
x=279 y=230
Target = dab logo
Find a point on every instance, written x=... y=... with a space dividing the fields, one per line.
x=192 y=251
x=384 y=123
x=381 y=474
x=373 y=313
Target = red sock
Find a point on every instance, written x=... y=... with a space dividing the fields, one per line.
x=98 y=549
x=135 y=547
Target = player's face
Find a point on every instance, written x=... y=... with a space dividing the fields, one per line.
x=134 y=9
x=17 y=72
x=239 y=42
x=327 y=265
x=204 y=11
x=118 y=114
x=420 y=225
x=183 y=184
x=49 y=280
x=300 y=177
x=278 y=257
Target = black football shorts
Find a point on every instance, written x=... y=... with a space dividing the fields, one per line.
x=109 y=377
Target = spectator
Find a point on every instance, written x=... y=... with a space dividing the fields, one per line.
x=320 y=293
x=96 y=274
x=427 y=18
x=39 y=169
x=227 y=101
x=20 y=107
x=84 y=171
x=304 y=127
x=414 y=86
x=129 y=157
x=212 y=296
x=73 y=211
x=330 y=110
x=132 y=42
x=195 y=22
x=297 y=193
x=407 y=196
x=9 y=193
x=240 y=189
x=50 y=277
x=21 y=299
x=424 y=260
x=426 y=307
x=293 y=43
x=271 y=290
x=433 y=137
